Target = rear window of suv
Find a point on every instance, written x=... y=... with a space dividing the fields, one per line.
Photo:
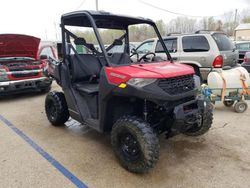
x=223 y=42
x=195 y=44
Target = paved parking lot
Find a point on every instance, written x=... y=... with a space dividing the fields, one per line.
x=217 y=159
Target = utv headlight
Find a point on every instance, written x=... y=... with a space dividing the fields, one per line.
x=197 y=82
x=140 y=82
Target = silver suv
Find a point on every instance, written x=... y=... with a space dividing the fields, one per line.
x=203 y=50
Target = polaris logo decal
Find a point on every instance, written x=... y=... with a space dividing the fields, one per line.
x=117 y=75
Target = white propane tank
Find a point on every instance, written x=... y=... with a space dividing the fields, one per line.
x=232 y=78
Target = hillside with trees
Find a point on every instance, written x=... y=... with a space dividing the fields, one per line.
x=227 y=22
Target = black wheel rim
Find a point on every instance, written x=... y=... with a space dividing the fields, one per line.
x=129 y=146
x=198 y=125
x=51 y=110
x=242 y=107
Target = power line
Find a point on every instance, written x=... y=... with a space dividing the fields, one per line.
x=171 y=12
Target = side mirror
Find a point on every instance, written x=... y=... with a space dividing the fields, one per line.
x=117 y=42
x=43 y=57
x=59 y=50
x=133 y=51
x=80 y=41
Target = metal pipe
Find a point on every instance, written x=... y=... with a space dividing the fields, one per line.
x=96 y=5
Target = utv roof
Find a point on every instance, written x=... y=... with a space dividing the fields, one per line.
x=102 y=19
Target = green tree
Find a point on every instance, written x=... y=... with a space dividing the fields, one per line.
x=245 y=16
x=161 y=27
x=246 y=19
x=181 y=25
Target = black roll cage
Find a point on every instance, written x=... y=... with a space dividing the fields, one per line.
x=89 y=16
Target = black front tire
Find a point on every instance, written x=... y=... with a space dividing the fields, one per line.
x=135 y=144
x=56 y=108
x=206 y=120
x=46 y=89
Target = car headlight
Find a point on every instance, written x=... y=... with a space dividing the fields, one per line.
x=141 y=82
x=3 y=75
x=197 y=82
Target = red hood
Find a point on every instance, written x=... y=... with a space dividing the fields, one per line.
x=13 y=45
x=161 y=70
x=164 y=69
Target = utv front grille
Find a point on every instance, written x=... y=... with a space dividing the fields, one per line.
x=177 y=85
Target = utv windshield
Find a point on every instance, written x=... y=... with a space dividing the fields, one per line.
x=106 y=36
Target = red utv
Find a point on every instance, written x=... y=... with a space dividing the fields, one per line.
x=134 y=101
x=24 y=63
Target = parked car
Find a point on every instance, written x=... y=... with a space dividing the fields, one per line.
x=246 y=61
x=242 y=47
x=120 y=48
x=23 y=64
x=134 y=45
x=202 y=50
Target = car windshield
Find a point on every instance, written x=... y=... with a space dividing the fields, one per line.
x=2 y=59
x=223 y=42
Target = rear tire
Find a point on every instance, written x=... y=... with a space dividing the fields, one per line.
x=135 y=144
x=206 y=120
x=228 y=103
x=240 y=106
x=56 y=108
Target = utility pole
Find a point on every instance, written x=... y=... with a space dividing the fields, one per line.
x=235 y=20
x=96 y=5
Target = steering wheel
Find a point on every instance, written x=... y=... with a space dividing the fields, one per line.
x=144 y=57
x=134 y=53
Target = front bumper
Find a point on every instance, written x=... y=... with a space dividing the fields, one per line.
x=187 y=114
x=17 y=86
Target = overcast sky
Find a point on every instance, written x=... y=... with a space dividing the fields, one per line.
x=41 y=17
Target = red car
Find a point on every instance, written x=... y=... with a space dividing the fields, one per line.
x=24 y=64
